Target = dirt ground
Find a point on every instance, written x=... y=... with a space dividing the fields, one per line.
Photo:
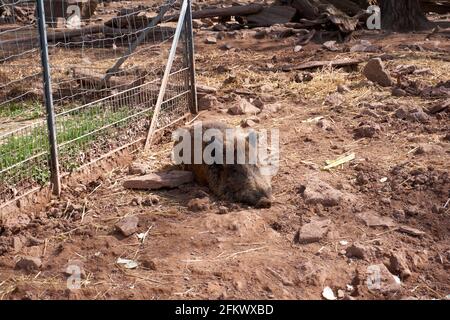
x=400 y=174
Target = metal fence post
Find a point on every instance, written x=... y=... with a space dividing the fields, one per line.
x=191 y=58
x=55 y=175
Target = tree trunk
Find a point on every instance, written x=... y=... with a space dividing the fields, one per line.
x=403 y=15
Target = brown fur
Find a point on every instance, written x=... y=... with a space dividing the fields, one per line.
x=242 y=183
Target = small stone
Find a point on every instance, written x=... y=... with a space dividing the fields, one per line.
x=303 y=77
x=29 y=264
x=247 y=123
x=32 y=241
x=261 y=34
x=298 y=48
x=411 y=231
x=398 y=92
x=54 y=213
x=399 y=214
x=136 y=201
x=343 y=88
x=243 y=106
x=446 y=137
x=149 y=264
x=169 y=179
x=428 y=149
x=315 y=191
x=364 y=47
x=412 y=211
x=223 y=69
x=196 y=24
x=328 y=294
x=223 y=210
x=404 y=69
x=357 y=251
x=368 y=130
x=402 y=113
x=211 y=40
x=375 y=72
x=15 y=222
x=219 y=27
x=313 y=231
x=208 y=102
x=341 y=294
x=230 y=79
x=199 y=204
x=398 y=265
x=331 y=45
x=137 y=169
x=379 y=279
x=128 y=225
x=335 y=99
x=325 y=125
x=439 y=107
x=418 y=116
x=371 y=219
x=204 y=89
x=259 y=103
x=220 y=35
x=271 y=107
x=208 y=22
x=17 y=244
x=226 y=47
x=150 y=200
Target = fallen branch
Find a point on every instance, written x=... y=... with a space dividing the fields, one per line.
x=269 y=16
x=318 y=64
x=55 y=36
x=223 y=12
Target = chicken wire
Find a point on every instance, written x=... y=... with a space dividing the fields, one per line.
x=98 y=109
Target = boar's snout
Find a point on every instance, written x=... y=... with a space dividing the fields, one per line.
x=263 y=203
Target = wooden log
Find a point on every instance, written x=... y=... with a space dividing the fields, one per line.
x=223 y=12
x=137 y=20
x=318 y=64
x=316 y=10
x=269 y=16
x=54 y=36
x=305 y=9
x=346 y=6
x=93 y=80
x=157 y=33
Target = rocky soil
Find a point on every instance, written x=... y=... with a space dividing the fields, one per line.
x=375 y=227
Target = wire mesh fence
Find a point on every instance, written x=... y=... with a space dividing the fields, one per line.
x=106 y=67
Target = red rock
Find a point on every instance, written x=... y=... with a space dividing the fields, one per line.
x=356 y=250
x=316 y=191
x=199 y=204
x=313 y=231
x=29 y=264
x=379 y=279
x=17 y=244
x=398 y=265
x=375 y=72
x=128 y=225
x=371 y=219
x=243 y=106
x=137 y=168
x=208 y=102
x=411 y=231
x=170 y=179
x=15 y=222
